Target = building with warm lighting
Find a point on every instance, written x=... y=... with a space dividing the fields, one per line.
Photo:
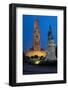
x=36 y=49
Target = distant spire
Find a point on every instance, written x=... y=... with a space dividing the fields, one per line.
x=50 y=28
x=36 y=24
x=50 y=36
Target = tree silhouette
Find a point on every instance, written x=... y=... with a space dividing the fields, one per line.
x=35 y=56
x=41 y=57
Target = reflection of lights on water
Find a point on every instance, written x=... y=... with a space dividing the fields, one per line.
x=37 y=62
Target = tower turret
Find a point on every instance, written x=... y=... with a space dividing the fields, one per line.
x=50 y=36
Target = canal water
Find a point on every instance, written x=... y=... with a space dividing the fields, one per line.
x=38 y=69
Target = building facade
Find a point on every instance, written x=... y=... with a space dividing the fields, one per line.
x=51 y=46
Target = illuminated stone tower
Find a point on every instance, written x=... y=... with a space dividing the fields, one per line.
x=36 y=42
x=36 y=49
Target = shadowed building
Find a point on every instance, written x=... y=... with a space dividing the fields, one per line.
x=51 y=46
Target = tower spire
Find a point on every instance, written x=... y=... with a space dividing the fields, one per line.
x=36 y=44
x=50 y=36
x=36 y=24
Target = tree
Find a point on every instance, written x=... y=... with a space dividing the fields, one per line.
x=35 y=56
x=41 y=57
x=32 y=57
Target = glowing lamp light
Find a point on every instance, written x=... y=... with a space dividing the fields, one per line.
x=37 y=62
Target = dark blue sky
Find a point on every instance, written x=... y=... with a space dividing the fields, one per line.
x=44 y=22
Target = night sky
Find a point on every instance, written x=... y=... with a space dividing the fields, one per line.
x=44 y=23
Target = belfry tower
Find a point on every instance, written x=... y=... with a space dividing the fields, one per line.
x=36 y=41
x=36 y=49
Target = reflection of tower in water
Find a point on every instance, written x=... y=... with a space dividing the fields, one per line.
x=51 y=46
